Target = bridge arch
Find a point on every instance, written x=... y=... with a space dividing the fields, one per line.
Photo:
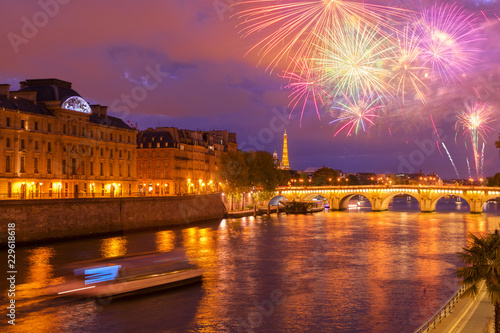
x=344 y=201
x=313 y=196
x=387 y=200
x=274 y=201
x=491 y=196
x=440 y=196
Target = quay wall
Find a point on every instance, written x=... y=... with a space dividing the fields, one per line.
x=51 y=219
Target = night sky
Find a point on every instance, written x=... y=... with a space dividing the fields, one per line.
x=188 y=68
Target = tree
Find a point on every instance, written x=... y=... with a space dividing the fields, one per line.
x=482 y=255
x=324 y=176
x=263 y=173
x=353 y=180
x=233 y=172
x=243 y=171
x=493 y=181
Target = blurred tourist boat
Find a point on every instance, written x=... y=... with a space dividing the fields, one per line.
x=304 y=207
x=127 y=275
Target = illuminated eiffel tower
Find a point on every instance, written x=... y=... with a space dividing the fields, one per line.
x=285 y=165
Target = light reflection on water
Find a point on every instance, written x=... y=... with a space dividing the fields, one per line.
x=338 y=271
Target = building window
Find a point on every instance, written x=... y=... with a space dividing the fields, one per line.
x=91 y=168
x=7 y=142
x=7 y=163
x=73 y=166
x=102 y=169
x=35 y=165
x=111 y=136
x=83 y=131
x=22 y=165
x=91 y=151
x=129 y=139
x=120 y=154
x=102 y=152
x=111 y=167
x=82 y=166
x=36 y=145
x=49 y=166
x=9 y=189
x=49 y=127
x=102 y=135
x=7 y=121
x=36 y=125
x=120 y=138
x=73 y=129
x=64 y=128
x=128 y=170
x=120 y=170
x=49 y=147
x=111 y=153
x=64 y=166
x=23 y=124
x=22 y=144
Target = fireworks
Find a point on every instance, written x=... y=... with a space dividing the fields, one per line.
x=305 y=85
x=473 y=120
x=356 y=114
x=407 y=72
x=446 y=37
x=294 y=27
x=355 y=60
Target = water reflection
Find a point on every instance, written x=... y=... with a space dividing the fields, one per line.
x=40 y=272
x=113 y=247
x=336 y=271
x=165 y=240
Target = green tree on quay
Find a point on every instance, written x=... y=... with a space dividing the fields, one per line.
x=324 y=176
x=482 y=257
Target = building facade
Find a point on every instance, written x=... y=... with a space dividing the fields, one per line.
x=55 y=145
x=173 y=161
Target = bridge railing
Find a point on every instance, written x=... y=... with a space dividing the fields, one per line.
x=441 y=313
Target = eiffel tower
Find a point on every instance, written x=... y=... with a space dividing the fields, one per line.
x=285 y=165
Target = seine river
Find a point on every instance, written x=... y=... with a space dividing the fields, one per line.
x=352 y=271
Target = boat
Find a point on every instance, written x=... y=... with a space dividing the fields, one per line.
x=272 y=209
x=125 y=275
x=304 y=207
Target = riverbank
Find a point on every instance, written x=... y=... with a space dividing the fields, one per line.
x=470 y=315
x=56 y=219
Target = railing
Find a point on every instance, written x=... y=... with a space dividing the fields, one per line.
x=441 y=313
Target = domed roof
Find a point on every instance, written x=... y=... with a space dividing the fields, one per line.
x=49 y=89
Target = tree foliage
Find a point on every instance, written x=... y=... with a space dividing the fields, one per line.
x=240 y=172
x=482 y=257
x=493 y=181
x=324 y=176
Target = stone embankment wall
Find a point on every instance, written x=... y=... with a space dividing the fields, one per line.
x=42 y=220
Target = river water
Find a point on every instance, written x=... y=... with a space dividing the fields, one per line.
x=351 y=271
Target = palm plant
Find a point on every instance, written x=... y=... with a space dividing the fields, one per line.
x=482 y=257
